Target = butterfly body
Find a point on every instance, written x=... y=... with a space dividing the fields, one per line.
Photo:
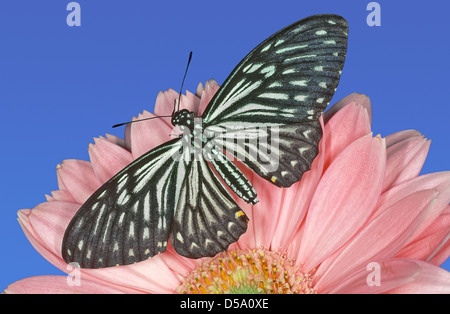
x=266 y=115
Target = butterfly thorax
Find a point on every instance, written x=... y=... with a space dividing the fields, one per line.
x=183 y=117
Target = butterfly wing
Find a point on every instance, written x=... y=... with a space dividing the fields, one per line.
x=207 y=219
x=129 y=218
x=286 y=81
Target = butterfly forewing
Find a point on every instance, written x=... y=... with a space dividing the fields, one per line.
x=294 y=71
x=287 y=80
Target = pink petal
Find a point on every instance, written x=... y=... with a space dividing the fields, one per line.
x=442 y=255
x=180 y=265
x=146 y=135
x=199 y=90
x=61 y=195
x=400 y=136
x=392 y=274
x=127 y=137
x=398 y=276
x=429 y=242
x=44 y=227
x=356 y=98
x=344 y=199
x=405 y=159
x=115 y=140
x=380 y=239
x=78 y=177
x=190 y=102
x=439 y=181
x=429 y=280
x=346 y=125
x=209 y=91
x=57 y=285
x=164 y=104
x=107 y=159
x=151 y=276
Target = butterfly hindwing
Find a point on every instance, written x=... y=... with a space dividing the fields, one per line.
x=280 y=154
x=286 y=81
x=207 y=219
x=128 y=219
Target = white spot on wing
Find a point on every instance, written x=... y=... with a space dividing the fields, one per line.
x=270 y=70
x=266 y=48
x=275 y=84
x=254 y=68
x=146 y=234
x=301 y=150
x=283 y=50
x=279 y=96
x=299 y=83
x=123 y=198
x=301 y=97
x=122 y=181
x=247 y=67
x=146 y=210
x=288 y=71
x=180 y=237
x=279 y=42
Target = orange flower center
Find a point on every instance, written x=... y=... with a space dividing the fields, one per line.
x=247 y=271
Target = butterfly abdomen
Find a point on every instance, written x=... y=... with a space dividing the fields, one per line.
x=232 y=176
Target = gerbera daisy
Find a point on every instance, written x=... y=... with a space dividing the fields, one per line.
x=361 y=221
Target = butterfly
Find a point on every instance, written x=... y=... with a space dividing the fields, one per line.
x=173 y=192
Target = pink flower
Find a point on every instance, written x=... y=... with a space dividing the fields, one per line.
x=361 y=221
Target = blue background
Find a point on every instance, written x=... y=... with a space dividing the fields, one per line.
x=61 y=86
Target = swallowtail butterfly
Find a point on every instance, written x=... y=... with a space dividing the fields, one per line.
x=286 y=83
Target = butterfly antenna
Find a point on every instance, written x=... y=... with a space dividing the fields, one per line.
x=182 y=83
x=174 y=102
x=120 y=124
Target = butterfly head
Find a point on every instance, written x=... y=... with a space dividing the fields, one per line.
x=182 y=118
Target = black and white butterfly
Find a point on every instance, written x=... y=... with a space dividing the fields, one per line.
x=285 y=83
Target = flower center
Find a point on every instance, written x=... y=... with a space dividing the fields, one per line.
x=247 y=271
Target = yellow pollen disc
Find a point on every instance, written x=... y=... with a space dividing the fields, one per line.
x=273 y=179
x=239 y=214
x=248 y=271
